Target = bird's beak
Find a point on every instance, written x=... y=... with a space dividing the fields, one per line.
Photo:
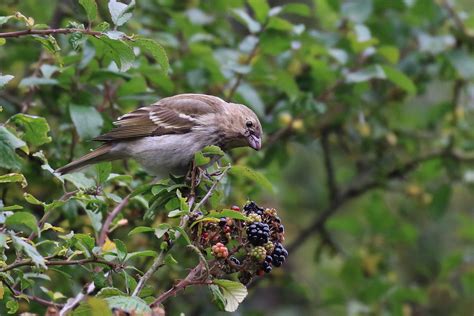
x=254 y=141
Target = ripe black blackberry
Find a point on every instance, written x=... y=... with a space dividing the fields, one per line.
x=252 y=207
x=258 y=233
x=267 y=267
x=279 y=255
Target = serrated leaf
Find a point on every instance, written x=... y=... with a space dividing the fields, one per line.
x=129 y=304
x=140 y=229
x=103 y=170
x=79 y=180
x=233 y=292
x=200 y=159
x=230 y=214
x=108 y=292
x=120 y=13
x=90 y=6
x=4 y=79
x=257 y=177
x=87 y=121
x=120 y=52
x=93 y=306
x=35 y=128
x=29 y=250
x=14 y=177
x=217 y=296
x=22 y=221
x=155 y=49
x=212 y=150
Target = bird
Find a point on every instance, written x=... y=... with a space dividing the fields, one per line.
x=163 y=137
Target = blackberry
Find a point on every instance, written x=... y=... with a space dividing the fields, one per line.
x=222 y=221
x=252 y=207
x=235 y=260
x=279 y=255
x=281 y=229
x=259 y=253
x=267 y=267
x=258 y=233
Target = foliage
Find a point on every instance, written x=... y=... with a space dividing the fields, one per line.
x=367 y=111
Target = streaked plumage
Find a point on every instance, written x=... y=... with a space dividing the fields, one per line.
x=163 y=137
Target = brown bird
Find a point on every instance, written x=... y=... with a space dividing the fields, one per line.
x=164 y=136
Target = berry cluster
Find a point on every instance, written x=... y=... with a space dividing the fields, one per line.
x=250 y=245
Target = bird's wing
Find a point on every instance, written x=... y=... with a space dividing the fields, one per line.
x=173 y=115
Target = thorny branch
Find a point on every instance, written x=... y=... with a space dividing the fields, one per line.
x=108 y=221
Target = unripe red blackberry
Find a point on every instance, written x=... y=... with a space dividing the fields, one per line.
x=220 y=251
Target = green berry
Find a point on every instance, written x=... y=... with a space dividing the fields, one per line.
x=259 y=253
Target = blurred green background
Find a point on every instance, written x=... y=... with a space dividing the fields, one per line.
x=367 y=108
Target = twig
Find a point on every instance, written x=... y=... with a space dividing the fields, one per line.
x=328 y=164
x=193 y=278
x=73 y=302
x=213 y=187
x=29 y=262
x=108 y=221
x=32 y=297
x=49 y=32
x=46 y=215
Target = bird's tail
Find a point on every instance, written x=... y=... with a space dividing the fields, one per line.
x=100 y=154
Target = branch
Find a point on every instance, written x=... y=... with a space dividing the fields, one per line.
x=213 y=187
x=108 y=221
x=49 y=32
x=29 y=262
x=328 y=164
x=32 y=297
x=362 y=186
x=73 y=302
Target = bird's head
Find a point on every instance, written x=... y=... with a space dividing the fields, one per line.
x=242 y=127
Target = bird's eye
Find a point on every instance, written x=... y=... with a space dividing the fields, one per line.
x=249 y=124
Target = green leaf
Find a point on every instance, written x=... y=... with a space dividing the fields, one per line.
x=400 y=79
x=121 y=249
x=96 y=219
x=12 y=306
x=144 y=253
x=230 y=214
x=170 y=260
x=93 y=306
x=369 y=73
x=35 y=128
x=31 y=199
x=14 y=177
x=90 y=6
x=251 y=24
x=217 y=296
x=260 y=9
x=200 y=159
x=140 y=229
x=79 y=180
x=4 y=19
x=257 y=177
x=109 y=291
x=37 y=81
x=184 y=235
x=357 y=11
x=233 y=292
x=161 y=229
x=213 y=150
x=87 y=120
x=4 y=79
x=120 y=52
x=29 y=250
x=391 y=53
x=120 y=13
x=8 y=144
x=103 y=170
x=279 y=24
x=154 y=49
x=22 y=221
x=131 y=304
x=463 y=62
